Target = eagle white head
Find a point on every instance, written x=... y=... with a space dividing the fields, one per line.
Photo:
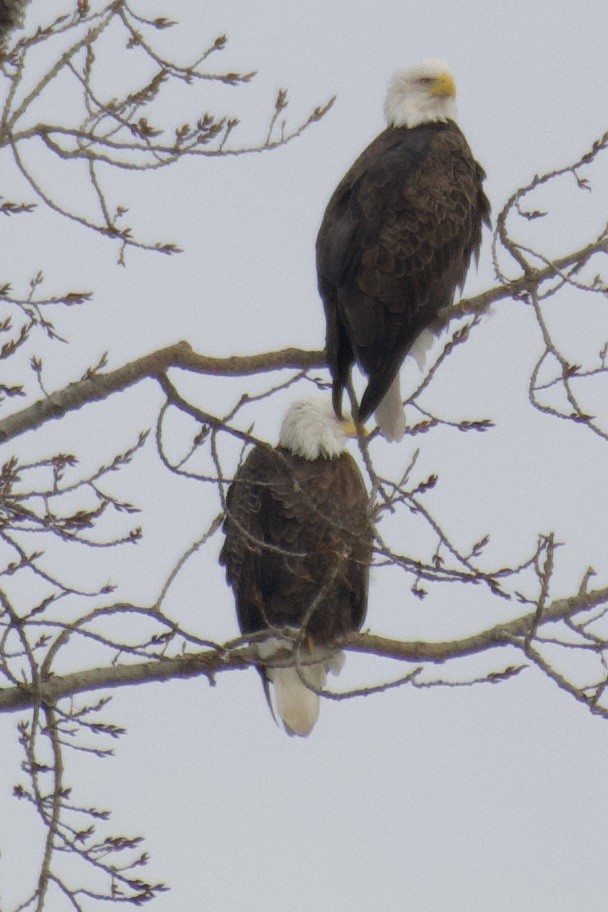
x=423 y=93
x=311 y=429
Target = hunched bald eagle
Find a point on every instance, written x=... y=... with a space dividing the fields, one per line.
x=298 y=548
x=397 y=239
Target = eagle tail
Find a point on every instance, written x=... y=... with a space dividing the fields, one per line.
x=296 y=692
x=389 y=414
x=297 y=704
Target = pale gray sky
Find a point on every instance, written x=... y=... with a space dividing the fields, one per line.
x=484 y=799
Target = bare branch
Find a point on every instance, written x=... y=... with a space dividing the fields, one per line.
x=228 y=658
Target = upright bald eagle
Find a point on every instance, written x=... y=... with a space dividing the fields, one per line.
x=298 y=548
x=397 y=239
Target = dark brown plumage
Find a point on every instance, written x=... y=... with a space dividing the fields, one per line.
x=297 y=553
x=298 y=543
x=395 y=242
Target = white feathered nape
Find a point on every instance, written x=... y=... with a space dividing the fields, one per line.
x=295 y=688
x=310 y=429
x=390 y=416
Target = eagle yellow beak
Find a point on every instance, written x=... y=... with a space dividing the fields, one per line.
x=350 y=429
x=444 y=86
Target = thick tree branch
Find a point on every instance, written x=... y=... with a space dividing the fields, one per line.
x=181 y=355
x=100 y=386
x=211 y=662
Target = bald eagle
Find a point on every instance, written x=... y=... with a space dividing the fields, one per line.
x=297 y=551
x=397 y=239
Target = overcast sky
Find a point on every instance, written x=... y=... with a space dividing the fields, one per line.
x=486 y=799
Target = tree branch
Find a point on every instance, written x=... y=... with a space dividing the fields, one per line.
x=181 y=355
x=514 y=288
x=211 y=662
x=100 y=386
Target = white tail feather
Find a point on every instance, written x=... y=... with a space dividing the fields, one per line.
x=421 y=347
x=298 y=705
x=389 y=415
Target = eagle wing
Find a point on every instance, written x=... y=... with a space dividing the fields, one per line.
x=396 y=241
